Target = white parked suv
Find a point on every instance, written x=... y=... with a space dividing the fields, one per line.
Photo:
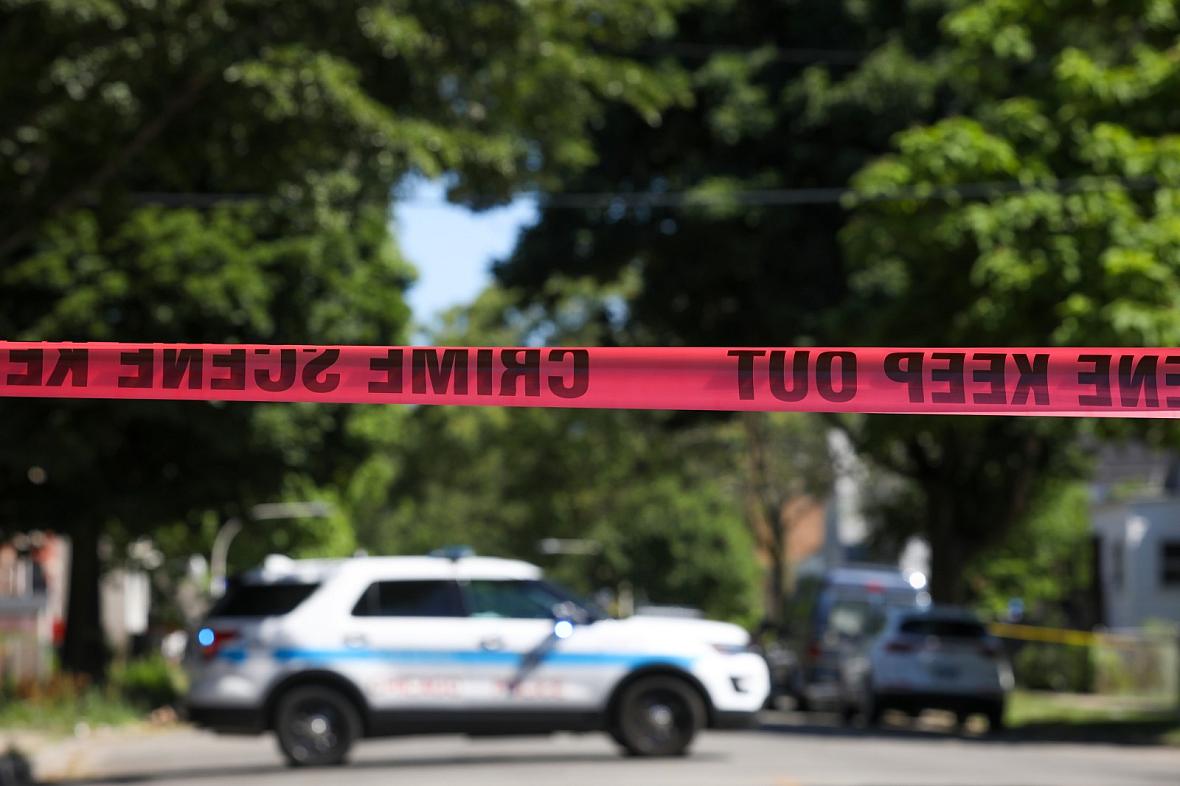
x=937 y=657
x=325 y=652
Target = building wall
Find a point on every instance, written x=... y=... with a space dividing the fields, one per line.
x=126 y=601
x=31 y=603
x=1132 y=537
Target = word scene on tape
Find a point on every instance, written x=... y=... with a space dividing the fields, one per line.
x=1125 y=382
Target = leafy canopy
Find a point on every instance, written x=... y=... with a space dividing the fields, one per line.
x=222 y=170
x=1013 y=167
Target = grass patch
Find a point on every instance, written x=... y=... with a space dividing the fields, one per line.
x=1089 y=718
x=54 y=713
x=58 y=705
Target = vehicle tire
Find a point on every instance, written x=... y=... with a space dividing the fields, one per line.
x=870 y=708
x=798 y=694
x=616 y=734
x=995 y=718
x=847 y=712
x=658 y=716
x=316 y=726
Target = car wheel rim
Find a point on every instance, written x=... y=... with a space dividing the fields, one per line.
x=314 y=730
x=662 y=717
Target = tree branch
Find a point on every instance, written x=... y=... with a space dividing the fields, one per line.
x=116 y=163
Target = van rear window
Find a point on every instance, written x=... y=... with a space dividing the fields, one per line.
x=262 y=600
x=944 y=629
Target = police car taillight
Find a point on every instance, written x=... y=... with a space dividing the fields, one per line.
x=210 y=640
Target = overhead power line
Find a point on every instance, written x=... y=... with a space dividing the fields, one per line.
x=795 y=55
x=830 y=195
x=744 y=197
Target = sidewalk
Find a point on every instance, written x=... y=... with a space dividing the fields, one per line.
x=57 y=758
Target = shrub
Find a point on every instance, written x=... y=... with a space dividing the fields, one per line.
x=1142 y=665
x=1056 y=667
x=60 y=703
x=148 y=683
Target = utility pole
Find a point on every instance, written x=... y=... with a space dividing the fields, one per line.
x=267 y=511
x=219 y=555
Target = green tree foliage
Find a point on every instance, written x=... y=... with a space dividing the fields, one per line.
x=1070 y=108
x=182 y=274
x=787 y=460
x=1057 y=223
x=197 y=170
x=665 y=506
x=785 y=95
x=1046 y=561
x=310 y=102
x=1013 y=164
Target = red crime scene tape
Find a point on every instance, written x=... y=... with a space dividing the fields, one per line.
x=949 y=381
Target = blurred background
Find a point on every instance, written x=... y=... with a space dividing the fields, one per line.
x=650 y=172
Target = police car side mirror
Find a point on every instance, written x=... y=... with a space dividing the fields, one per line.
x=565 y=617
x=569 y=611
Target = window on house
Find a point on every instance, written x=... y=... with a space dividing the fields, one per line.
x=1170 y=563
x=1116 y=565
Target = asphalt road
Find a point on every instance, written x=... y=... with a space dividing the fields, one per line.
x=788 y=751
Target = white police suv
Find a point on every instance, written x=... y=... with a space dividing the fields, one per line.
x=325 y=652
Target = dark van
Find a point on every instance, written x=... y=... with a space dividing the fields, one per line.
x=829 y=612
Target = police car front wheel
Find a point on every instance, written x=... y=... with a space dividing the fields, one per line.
x=658 y=716
x=315 y=726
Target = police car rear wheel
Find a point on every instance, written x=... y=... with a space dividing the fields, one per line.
x=658 y=716
x=316 y=726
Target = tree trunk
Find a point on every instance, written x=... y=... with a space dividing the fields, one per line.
x=778 y=561
x=84 y=650
x=947 y=555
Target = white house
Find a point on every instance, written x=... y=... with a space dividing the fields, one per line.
x=1139 y=560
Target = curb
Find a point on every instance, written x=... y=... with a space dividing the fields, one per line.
x=65 y=758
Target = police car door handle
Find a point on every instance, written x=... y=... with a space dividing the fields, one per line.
x=355 y=641
x=491 y=643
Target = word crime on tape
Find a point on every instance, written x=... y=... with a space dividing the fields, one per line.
x=959 y=381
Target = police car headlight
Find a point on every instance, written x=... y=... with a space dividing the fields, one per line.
x=732 y=649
